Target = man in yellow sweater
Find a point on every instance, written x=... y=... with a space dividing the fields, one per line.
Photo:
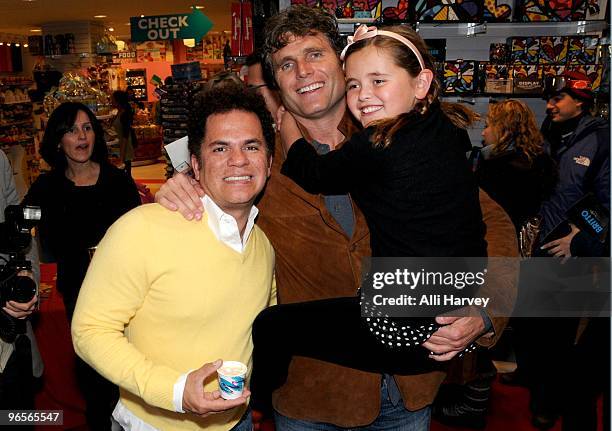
x=165 y=298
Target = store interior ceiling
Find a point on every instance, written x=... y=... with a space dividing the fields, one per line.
x=23 y=17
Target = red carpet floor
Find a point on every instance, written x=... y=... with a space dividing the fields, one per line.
x=509 y=405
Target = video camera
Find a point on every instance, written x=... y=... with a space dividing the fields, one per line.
x=15 y=239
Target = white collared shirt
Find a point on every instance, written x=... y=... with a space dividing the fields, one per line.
x=225 y=229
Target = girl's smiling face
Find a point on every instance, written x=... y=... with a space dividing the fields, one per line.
x=377 y=88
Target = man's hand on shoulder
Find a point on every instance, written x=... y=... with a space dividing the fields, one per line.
x=456 y=334
x=182 y=193
x=201 y=403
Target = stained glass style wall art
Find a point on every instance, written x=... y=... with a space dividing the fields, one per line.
x=550 y=10
x=459 y=76
x=498 y=10
x=553 y=50
x=447 y=10
x=525 y=50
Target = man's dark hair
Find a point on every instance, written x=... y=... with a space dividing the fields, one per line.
x=254 y=58
x=222 y=100
x=60 y=122
x=296 y=21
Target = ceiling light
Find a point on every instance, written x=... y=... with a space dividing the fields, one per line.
x=35 y=30
x=111 y=29
x=17 y=44
x=1 y=43
x=142 y=16
x=199 y=7
x=99 y=16
x=8 y=44
x=25 y=45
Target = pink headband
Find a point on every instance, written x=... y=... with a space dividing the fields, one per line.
x=365 y=32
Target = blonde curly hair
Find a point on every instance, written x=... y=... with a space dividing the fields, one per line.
x=514 y=124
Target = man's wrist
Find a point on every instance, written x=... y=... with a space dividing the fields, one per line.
x=179 y=390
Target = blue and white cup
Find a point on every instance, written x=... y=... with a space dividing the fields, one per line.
x=231 y=379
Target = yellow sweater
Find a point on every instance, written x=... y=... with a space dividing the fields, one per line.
x=163 y=296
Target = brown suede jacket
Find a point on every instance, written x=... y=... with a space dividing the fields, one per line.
x=316 y=260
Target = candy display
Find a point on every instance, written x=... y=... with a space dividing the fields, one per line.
x=499 y=53
x=525 y=50
x=552 y=70
x=527 y=79
x=553 y=50
x=75 y=87
x=497 y=79
x=582 y=50
x=459 y=77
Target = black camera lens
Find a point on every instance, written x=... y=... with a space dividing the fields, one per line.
x=22 y=289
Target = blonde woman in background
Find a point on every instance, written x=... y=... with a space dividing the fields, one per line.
x=514 y=168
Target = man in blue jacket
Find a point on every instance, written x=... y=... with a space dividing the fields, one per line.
x=580 y=144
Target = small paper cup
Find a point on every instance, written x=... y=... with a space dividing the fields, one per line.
x=231 y=379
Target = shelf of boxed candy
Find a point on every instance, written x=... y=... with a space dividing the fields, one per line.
x=520 y=67
x=149 y=137
x=16 y=123
x=174 y=112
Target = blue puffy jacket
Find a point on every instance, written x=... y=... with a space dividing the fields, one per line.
x=583 y=159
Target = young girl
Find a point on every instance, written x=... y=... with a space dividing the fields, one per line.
x=408 y=173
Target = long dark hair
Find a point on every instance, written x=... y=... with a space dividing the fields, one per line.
x=61 y=121
x=126 y=117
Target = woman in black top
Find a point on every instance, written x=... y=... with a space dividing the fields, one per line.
x=80 y=198
x=513 y=167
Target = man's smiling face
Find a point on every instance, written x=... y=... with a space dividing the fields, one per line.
x=235 y=162
x=309 y=76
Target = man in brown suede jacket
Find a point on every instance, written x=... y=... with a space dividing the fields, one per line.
x=320 y=241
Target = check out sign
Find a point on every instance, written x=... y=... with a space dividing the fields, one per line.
x=192 y=25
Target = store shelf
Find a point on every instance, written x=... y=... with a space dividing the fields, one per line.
x=508 y=29
x=16 y=84
x=16 y=123
x=19 y=142
x=444 y=30
x=73 y=55
x=16 y=103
